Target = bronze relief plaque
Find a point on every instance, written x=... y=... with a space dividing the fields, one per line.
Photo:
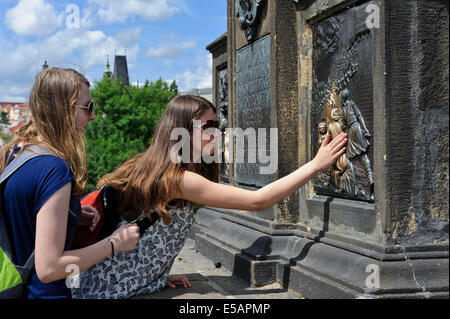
x=342 y=101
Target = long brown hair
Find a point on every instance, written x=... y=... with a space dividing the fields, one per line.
x=149 y=180
x=52 y=125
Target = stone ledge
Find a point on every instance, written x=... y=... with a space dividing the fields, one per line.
x=208 y=215
x=300 y=263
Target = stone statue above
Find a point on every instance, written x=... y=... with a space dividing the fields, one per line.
x=248 y=12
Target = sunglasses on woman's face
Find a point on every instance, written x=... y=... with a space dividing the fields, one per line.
x=89 y=107
x=209 y=124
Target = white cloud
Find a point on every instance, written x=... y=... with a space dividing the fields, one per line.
x=171 y=36
x=92 y=46
x=33 y=17
x=74 y=48
x=126 y=37
x=197 y=77
x=88 y=18
x=119 y=10
x=64 y=46
x=14 y=92
x=169 y=51
x=80 y=48
x=169 y=82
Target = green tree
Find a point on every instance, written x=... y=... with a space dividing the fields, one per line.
x=174 y=87
x=126 y=120
x=5 y=138
x=4 y=118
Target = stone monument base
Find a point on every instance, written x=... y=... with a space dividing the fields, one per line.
x=318 y=265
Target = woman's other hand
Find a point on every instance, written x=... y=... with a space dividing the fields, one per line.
x=89 y=217
x=171 y=280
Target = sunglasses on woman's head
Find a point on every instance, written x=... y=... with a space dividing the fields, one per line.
x=209 y=124
x=89 y=107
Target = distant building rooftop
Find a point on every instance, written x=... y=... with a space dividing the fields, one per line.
x=197 y=91
x=14 y=129
x=205 y=93
x=4 y=105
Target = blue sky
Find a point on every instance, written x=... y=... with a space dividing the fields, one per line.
x=162 y=38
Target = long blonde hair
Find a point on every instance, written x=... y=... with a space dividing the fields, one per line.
x=52 y=125
x=149 y=180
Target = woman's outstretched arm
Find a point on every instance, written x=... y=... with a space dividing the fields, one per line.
x=198 y=189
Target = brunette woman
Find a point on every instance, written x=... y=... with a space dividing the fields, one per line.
x=152 y=182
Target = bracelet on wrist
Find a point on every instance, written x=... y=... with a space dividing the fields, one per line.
x=112 y=247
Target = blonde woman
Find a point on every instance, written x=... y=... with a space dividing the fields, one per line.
x=151 y=182
x=41 y=204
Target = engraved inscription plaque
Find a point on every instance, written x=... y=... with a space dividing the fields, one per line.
x=253 y=109
x=342 y=101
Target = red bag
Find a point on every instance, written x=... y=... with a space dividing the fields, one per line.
x=83 y=236
x=104 y=200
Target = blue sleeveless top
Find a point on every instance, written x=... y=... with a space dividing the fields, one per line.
x=24 y=194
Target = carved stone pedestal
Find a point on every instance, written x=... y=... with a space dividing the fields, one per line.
x=376 y=224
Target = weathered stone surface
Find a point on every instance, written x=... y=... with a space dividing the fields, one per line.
x=319 y=245
x=417 y=101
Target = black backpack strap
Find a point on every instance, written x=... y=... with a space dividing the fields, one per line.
x=111 y=217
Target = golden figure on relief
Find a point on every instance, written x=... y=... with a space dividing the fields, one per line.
x=341 y=114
